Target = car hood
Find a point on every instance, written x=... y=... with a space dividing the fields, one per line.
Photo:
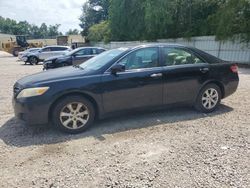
x=53 y=75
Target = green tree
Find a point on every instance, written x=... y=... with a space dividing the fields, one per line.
x=93 y=12
x=127 y=19
x=99 y=32
x=232 y=20
x=10 y=26
x=72 y=32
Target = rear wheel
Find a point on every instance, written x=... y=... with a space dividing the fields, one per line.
x=208 y=99
x=73 y=114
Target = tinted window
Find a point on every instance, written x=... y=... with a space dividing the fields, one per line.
x=48 y=49
x=86 y=51
x=95 y=51
x=177 y=56
x=101 y=50
x=58 y=48
x=143 y=58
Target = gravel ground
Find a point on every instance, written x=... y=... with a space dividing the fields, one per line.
x=172 y=148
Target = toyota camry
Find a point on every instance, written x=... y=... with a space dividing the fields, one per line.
x=118 y=80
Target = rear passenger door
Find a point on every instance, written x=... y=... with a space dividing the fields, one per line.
x=57 y=51
x=184 y=73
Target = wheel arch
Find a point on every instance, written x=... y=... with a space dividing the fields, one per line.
x=87 y=96
x=34 y=57
x=216 y=82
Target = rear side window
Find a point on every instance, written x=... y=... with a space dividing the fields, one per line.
x=178 y=56
x=58 y=48
x=47 y=49
x=101 y=50
x=97 y=51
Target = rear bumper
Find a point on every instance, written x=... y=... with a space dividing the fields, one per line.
x=31 y=110
x=230 y=88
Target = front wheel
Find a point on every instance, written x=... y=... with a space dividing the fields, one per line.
x=208 y=99
x=73 y=114
x=33 y=60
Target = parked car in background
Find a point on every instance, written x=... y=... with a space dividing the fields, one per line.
x=26 y=52
x=73 y=57
x=45 y=53
x=148 y=76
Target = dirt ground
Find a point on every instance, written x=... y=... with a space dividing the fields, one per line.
x=177 y=147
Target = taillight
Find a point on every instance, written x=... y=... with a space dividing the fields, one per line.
x=234 y=68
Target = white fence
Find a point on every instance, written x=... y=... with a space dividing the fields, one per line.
x=228 y=50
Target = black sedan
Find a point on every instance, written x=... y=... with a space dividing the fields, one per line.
x=74 y=57
x=123 y=79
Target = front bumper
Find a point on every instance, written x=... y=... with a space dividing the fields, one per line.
x=32 y=110
x=24 y=59
x=47 y=66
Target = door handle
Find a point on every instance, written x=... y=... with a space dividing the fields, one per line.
x=156 y=75
x=204 y=70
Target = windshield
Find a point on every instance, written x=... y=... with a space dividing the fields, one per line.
x=99 y=61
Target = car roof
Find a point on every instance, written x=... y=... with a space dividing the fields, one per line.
x=56 y=46
x=87 y=47
x=158 y=45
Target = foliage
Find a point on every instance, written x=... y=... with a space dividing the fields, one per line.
x=72 y=32
x=93 y=12
x=151 y=20
x=10 y=26
x=99 y=32
x=233 y=20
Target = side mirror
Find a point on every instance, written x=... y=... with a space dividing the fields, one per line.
x=117 y=68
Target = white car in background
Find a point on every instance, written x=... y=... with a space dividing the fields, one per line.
x=26 y=52
x=49 y=51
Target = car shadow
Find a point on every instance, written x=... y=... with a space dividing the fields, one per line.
x=16 y=133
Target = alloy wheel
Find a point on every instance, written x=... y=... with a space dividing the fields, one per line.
x=74 y=115
x=33 y=60
x=210 y=98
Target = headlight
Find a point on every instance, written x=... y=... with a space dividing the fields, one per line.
x=31 y=92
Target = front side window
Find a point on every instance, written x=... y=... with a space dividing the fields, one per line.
x=143 y=58
x=58 y=48
x=177 y=56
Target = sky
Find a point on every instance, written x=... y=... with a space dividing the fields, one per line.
x=51 y=12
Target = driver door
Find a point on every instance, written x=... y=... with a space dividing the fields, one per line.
x=140 y=85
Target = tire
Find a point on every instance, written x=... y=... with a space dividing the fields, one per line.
x=64 y=65
x=33 y=60
x=208 y=99
x=64 y=119
x=15 y=53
